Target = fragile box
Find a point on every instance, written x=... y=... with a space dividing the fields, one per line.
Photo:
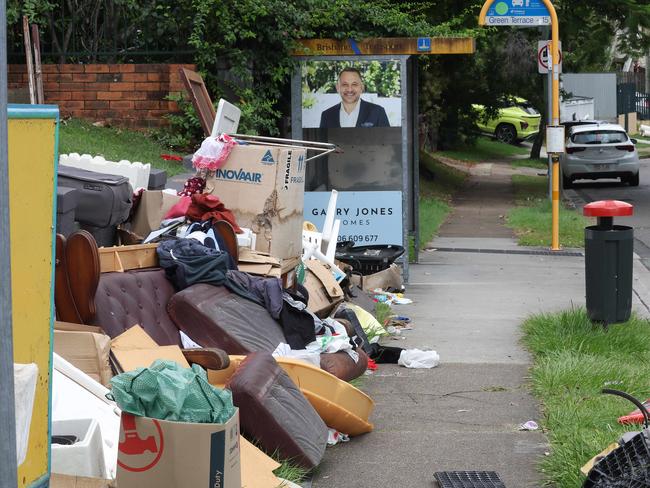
x=168 y=454
x=264 y=187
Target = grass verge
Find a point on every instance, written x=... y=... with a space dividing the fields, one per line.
x=114 y=144
x=540 y=163
x=438 y=182
x=531 y=218
x=485 y=149
x=573 y=361
x=643 y=150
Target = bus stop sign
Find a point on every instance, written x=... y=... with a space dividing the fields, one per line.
x=521 y=13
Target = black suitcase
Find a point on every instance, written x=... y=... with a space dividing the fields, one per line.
x=104 y=201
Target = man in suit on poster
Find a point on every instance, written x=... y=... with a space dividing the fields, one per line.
x=352 y=111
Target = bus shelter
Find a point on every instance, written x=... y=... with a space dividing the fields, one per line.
x=375 y=170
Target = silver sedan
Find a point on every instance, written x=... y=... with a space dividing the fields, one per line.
x=595 y=151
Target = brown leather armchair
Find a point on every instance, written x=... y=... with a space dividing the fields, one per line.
x=119 y=300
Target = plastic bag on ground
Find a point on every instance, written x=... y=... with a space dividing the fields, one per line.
x=415 y=358
x=167 y=391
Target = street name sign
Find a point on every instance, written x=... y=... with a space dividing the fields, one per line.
x=520 y=13
x=385 y=46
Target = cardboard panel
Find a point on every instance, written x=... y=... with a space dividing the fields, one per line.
x=324 y=291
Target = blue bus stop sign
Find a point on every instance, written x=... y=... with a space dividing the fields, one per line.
x=521 y=13
x=424 y=44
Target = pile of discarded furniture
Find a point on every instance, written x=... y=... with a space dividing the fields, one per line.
x=224 y=277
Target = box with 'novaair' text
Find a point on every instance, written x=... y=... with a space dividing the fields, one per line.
x=264 y=187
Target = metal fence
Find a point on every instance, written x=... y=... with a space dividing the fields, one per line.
x=631 y=95
x=643 y=105
x=637 y=78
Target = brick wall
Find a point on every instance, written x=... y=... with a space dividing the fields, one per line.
x=128 y=95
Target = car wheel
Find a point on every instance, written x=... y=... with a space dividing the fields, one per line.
x=633 y=180
x=506 y=133
x=567 y=181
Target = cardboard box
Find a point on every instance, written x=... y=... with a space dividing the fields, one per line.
x=257 y=468
x=135 y=349
x=390 y=277
x=152 y=208
x=258 y=263
x=169 y=454
x=324 y=291
x=65 y=481
x=264 y=187
x=86 y=348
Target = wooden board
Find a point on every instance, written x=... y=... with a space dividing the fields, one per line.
x=124 y=258
x=200 y=99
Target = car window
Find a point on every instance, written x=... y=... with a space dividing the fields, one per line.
x=528 y=108
x=599 y=137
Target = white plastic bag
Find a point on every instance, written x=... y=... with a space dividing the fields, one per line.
x=309 y=355
x=25 y=377
x=414 y=358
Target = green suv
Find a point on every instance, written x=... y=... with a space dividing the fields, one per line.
x=517 y=120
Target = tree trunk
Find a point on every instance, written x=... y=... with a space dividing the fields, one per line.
x=647 y=72
x=537 y=145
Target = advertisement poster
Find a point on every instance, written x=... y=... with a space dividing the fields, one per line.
x=349 y=94
x=367 y=217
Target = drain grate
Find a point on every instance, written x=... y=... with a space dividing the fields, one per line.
x=468 y=479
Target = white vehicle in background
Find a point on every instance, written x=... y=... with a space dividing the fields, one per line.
x=599 y=150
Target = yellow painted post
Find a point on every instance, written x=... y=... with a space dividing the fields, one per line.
x=554 y=61
x=554 y=58
x=32 y=145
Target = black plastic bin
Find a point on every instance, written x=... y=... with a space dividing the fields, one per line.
x=608 y=263
x=368 y=260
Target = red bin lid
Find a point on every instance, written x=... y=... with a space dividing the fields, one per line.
x=608 y=208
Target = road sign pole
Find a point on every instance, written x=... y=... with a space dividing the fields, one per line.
x=553 y=62
x=549 y=121
x=505 y=13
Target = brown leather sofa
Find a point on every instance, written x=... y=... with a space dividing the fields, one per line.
x=212 y=316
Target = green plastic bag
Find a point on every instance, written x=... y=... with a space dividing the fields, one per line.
x=167 y=391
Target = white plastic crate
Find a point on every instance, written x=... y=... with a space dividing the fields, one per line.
x=137 y=173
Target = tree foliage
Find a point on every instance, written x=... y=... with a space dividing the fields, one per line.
x=243 y=47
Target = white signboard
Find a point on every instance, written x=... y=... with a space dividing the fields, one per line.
x=543 y=50
x=367 y=217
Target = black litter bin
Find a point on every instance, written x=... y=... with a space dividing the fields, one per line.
x=608 y=263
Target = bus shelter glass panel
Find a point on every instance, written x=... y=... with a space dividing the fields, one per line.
x=356 y=105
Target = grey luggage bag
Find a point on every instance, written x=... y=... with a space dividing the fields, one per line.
x=104 y=201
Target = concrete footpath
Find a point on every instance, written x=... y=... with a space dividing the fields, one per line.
x=471 y=292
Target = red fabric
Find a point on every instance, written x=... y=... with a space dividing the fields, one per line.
x=179 y=209
x=205 y=207
x=171 y=157
x=372 y=365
